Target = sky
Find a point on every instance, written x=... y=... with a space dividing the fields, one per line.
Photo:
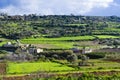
x=61 y=7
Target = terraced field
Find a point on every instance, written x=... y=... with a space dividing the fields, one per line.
x=23 y=68
x=30 y=67
x=64 y=42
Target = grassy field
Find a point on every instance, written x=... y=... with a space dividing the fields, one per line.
x=28 y=67
x=22 y=68
x=106 y=36
x=1 y=43
x=101 y=65
x=61 y=38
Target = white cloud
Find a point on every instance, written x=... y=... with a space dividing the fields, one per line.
x=56 y=6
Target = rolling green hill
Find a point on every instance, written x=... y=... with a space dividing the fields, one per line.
x=17 y=27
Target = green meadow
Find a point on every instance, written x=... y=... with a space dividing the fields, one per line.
x=31 y=67
x=106 y=36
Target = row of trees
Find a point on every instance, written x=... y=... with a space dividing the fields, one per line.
x=110 y=42
x=19 y=55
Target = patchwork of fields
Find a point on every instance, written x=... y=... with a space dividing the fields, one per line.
x=15 y=68
x=64 y=42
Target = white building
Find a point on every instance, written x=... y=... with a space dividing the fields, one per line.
x=84 y=51
x=38 y=50
x=34 y=50
x=8 y=44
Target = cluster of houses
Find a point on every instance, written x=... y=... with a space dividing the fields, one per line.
x=82 y=51
x=24 y=47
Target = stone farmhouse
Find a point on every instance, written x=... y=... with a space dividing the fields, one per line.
x=23 y=47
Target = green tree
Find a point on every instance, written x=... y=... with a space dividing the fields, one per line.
x=84 y=61
x=72 y=58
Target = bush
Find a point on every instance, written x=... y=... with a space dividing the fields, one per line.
x=112 y=56
x=72 y=59
x=100 y=68
x=84 y=61
x=96 y=55
x=42 y=58
x=3 y=52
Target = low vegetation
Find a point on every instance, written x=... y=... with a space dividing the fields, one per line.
x=83 y=77
x=32 y=67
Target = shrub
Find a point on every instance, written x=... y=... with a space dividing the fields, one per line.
x=72 y=58
x=84 y=61
x=100 y=68
x=112 y=56
x=96 y=55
